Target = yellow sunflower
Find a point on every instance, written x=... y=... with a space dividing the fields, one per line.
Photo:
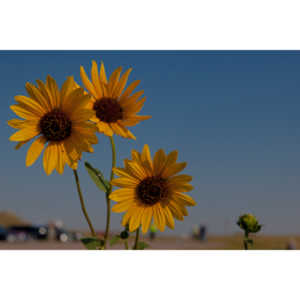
x=114 y=108
x=151 y=189
x=59 y=118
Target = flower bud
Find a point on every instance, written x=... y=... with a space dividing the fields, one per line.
x=249 y=223
x=124 y=235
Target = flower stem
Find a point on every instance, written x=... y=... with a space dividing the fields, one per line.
x=126 y=245
x=246 y=240
x=137 y=235
x=113 y=150
x=82 y=204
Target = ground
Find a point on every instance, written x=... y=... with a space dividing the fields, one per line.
x=173 y=243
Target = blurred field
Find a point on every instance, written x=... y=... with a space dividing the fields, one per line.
x=233 y=242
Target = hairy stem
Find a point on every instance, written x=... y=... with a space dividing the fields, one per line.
x=83 y=205
x=137 y=236
x=108 y=211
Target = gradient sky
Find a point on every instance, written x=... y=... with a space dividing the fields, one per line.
x=233 y=116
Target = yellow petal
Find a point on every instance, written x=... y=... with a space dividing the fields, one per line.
x=133 y=120
x=102 y=73
x=122 y=83
x=85 y=80
x=173 y=169
x=41 y=94
x=24 y=113
x=181 y=187
x=183 y=178
x=122 y=194
x=60 y=159
x=24 y=134
x=134 y=108
x=105 y=128
x=35 y=150
x=159 y=218
x=146 y=158
x=125 y=182
x=169 y=217
x=128 y=102
x=135 y=220
x=32 y=104
x=146 y=219
x=175 y=210
x=136 y=170
x=159 y=161
x=123 y=173
x=129 y=90
x=68 y=86
x=20 y=144
x=131 y=211
x=185 y=199
x=54 y=92
x=16 y=123
x=113 y=80
x=95 y=80
x=50 y=158
x=121 y=206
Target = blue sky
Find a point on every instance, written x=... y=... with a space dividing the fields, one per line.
x=233 y=116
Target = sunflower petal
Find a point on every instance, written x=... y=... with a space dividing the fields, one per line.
x=146 y=219
x=186 y=199
x=85 y=80
x=135 y=220
x=50 y=158
x=35 y=150
x=40 y=94
x=95 y=80
x=125 y=182
x=159 y=161
x=129 y=90
x=24 y=134
x=122 y=83
x=114 y=79
x=169 y=217
x=122 y=194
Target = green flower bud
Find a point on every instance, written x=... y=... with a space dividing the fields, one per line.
x=124 y=235
x=249 y=223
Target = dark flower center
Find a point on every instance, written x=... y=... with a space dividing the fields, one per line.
x=55 y=126
x=108 y=110
x=152 y=190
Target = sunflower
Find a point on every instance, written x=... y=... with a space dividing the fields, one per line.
x=151 y=189
x=114 y=108
x=60 y=119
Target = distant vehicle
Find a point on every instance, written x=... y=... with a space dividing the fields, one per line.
x=24 y=233
x=37 y=232
x=3 y=234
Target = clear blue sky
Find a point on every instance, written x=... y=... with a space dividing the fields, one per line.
x=233 y=116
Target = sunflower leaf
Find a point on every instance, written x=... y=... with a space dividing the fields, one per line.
x=92 y=243
x=142 y=245
x=97 y=177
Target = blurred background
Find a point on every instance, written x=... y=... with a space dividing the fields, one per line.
x=233 y=117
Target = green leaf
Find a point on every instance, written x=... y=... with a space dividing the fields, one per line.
x=142 y=245
x=92 y=243
x=114 y=240
x=97 y=177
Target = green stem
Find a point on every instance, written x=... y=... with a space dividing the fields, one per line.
x=108 y=211
x=246 y=240
x=82 y=204
x=126 y=245
x=137 y=235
